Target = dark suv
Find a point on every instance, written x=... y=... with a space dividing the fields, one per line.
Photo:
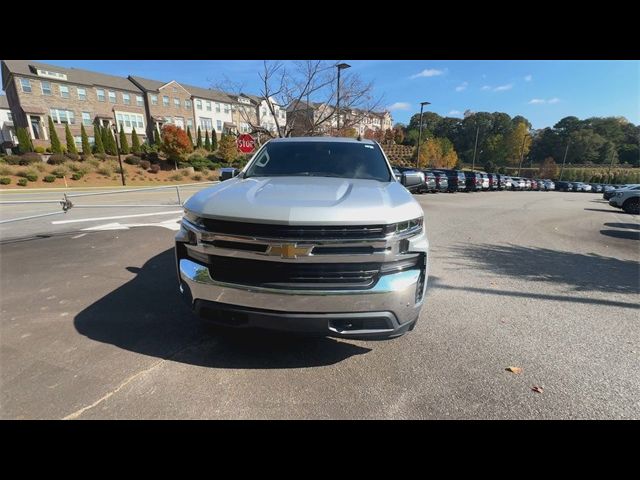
x=473 y=181
x=564 y=186
x=456 y=178
x=494 y=182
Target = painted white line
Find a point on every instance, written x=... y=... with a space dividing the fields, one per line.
x=78 y=236
x=171 y=224
x=117 y=217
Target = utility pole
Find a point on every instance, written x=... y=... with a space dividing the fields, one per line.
x=611 y=165
x=564 y=159
x=522 y=153
x=115 y=127
x=473 y=166
x=422 y=104
x=340 y=66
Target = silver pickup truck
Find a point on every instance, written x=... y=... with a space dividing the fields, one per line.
x=314 y=235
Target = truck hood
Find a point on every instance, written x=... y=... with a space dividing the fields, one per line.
x=306 y=201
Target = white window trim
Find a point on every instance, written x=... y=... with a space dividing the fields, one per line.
x=139 y=101
x=104 y=96
x=22 y=85
x=42 y=88
x=126 y=95
x=68 y=91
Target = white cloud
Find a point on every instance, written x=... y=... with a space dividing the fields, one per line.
x=502 y=88
x=399 y=106
x=462 y=86
x=540 y=101
x=528 y=78
x=428 y=72
x=455 y=112
x=486 y=87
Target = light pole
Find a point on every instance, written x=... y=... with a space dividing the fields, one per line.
x=115 y=128
x=340 y=66
x=422 y=104
x=563 y=160
x=522 y=152
x=475 y=147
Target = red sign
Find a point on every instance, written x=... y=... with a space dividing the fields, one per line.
x=246 y=143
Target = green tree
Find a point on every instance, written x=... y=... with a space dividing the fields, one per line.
x=110 y=145
x=489 y=167
x=104 y=133
x=517 y=144
x=189 y=134
x=71 y=144
x=228 y=148
x=549 y=169
x=207 y=142
x=53 y=136
x=214 y=140
x=199 y=139
x=98 y=146
x=124 y=144
x=86 y=148
x=135 y=142
x=24 y=142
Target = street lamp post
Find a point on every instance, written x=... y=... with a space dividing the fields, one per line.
x=422 y=104
x=522 y=153
x=340 y=66
x=475 y=147
x=115 y=128
x=564 y=159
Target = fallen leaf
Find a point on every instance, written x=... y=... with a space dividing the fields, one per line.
x=517 y=370
x=537 y=389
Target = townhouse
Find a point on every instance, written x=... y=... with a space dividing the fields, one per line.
x=8 y=139
x=36 y=91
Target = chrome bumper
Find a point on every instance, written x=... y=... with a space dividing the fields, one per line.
x=394 y=293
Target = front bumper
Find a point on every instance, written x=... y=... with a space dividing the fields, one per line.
x=387 y=309
x=614 y=202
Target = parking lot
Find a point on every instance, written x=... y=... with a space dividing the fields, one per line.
x=92 y=325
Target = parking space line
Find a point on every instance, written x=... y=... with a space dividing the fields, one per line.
x=117 y=217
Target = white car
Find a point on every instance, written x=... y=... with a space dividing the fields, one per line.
x=627 y=199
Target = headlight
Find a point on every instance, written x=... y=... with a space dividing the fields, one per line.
x=410 y=226
x=193 y=218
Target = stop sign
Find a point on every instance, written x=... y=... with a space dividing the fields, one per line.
x=246 y=143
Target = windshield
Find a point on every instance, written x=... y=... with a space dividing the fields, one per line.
x=321 y=159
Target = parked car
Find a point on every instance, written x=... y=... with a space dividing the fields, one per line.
x=473 y=181
x=241 y=263
x=564 y=186
x=456 y=179
x=608 y=194
x=504 y=182
x=597 y=188
x=547 y=185
x=534 y=184
x=430 y=182
x=485 y=181
x=628 y=199
x=442 y=182
x=527 y=184
x=494 y=183
x=517 y=183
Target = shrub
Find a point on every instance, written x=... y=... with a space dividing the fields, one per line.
x=30 y=158
x=5 y=181
x=212 y=178
x=22 y=182
x=132 y=160
x=145 y=164
x=78 y=167
x=32 y=176
x=105 y=170
x=199 y=163
x=41 y=167
x=6 y=170
x=76 y=176
x=24 y=141
x=49 y=179
x=12 y=159
x=53 y=136
x=57 y=159
x=176 y=177
x=101 y=156
x=94 y=162
x=197 y=177
x=40 y=149
x=60 y=171
x=155 y=168
x=72 y=156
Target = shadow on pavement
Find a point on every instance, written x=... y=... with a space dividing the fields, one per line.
x=583 y=272
x=147 y=316
x=612 y=210
x=630 y=226
x=625 y=234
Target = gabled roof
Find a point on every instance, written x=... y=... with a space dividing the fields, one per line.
x=210 y=94
x=74 y=75
x=4 y=103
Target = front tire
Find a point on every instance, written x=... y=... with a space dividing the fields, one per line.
x=632 y=206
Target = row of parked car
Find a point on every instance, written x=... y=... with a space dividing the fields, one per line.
x=447 y=180
x=626 y=197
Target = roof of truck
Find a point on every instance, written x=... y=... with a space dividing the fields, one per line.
x=322 y=139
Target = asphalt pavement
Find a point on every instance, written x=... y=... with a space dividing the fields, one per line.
x=92 y=325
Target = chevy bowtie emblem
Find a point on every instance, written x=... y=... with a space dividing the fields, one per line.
x=288 y=250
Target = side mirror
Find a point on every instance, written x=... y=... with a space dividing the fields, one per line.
x=411 y=178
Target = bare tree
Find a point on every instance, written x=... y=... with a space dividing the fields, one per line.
x=307 y=91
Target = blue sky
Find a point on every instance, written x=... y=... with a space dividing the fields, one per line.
x=542 y=91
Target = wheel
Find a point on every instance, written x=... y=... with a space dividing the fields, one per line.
x=632 y=206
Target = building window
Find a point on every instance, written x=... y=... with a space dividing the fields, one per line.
x=129 y=121
x=62 y=116
x=154 y=99
x=282 y=114
x=226 y=108
x=244 y=127
x=219 y=125
x=82 y=93
x=217 y=108
x=112 y=96
x=176 y=102
x=126 y=99
x=46 y=88
x=199 y=104
x=168 y=119
x=139 y=100
x=190 y=123
x=165 y=100
x=187 y=104
x=263 y=112
x=64 y=91
x=100 y=94
x=9 y=117
x=140 y=122
x=205 y=123
x=86 y=119
x=26 y=85
x=208 y=105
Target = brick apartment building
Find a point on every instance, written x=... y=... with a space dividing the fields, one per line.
x=36 y=91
